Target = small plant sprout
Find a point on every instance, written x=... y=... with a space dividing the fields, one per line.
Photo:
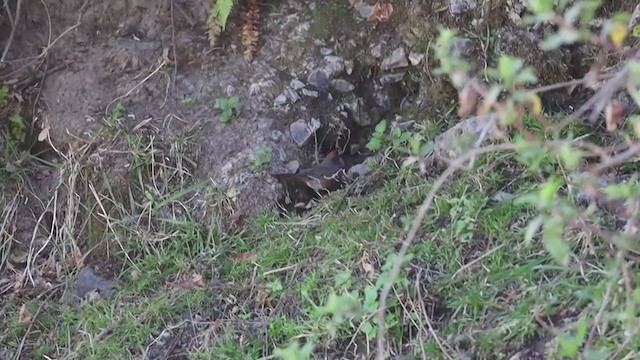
x=262 y=156
x=229 y=107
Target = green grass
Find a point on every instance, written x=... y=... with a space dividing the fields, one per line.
x=473 y=286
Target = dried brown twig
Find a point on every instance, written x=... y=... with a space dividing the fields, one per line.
x=14 y=25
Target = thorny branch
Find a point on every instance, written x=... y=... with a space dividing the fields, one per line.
x=597 y=102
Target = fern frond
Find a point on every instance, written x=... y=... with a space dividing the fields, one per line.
x=251 y=29
x=217 y=20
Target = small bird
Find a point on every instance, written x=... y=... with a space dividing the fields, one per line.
x=327 y=176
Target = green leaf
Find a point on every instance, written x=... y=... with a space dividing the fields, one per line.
x=233 y=101
x=548 y=191
x=510 y=115
x=294 y=351
x=368 y=329
x=508 y=67
x=370 y=298
x=494 y=93
x=570 y=345
x=263 y=155
x=226 y=115
x=589 y=11
x=223 y=9
x=553 y=241
x=381 y=127
x=532 y=228
x=621 y=17
x=622 y=191
x=221 y=103
x=541 y=6
x=562 y=37
x=374 y=144
x=572 y=158
x=526 y=76
x=343 y=279
x=4 y=94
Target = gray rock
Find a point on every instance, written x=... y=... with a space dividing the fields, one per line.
x=391 y=78
x=635 y=18
x=302 y=131
x=415 y=58
x=296 y=84
x=88 y=281
x=265 y=123
x=502 y=196
x=376 y=51
x=397 y=59
x=358 y=113
x=354 y=148
x=403 y=126
x=382 y=100
x=464 y=135
x=515 y=11
x=358 y=170
x=292 y=166
x=318 y=78
x=280 y=100
x=459 y=7
x=325 y=51
x=348 y=66
x=333 y=65
x=277 y=135
x=362 y=169
x=254 y=89
x=462 y=48
x=310 y=93
x=342 y=85
x=363 y=9
x=291 y=95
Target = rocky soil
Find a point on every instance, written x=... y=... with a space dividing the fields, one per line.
x=323 y=77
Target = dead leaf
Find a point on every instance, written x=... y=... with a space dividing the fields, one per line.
x=135 y=275
x=613 y=114
x=78 y=258
x=165 y=56
x=20 y=278
x=245 y=257
x=236 y=218
x=24 y=315
x=381 y=12
x=19 y=257
x=368 y=268
x=197 y=281
x=467 y=98
x=44 y=134
x=93 y=297
x=262 y=298
x=591 y=78
x=232 y=193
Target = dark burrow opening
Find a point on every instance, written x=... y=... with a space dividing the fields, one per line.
x=348 y=120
